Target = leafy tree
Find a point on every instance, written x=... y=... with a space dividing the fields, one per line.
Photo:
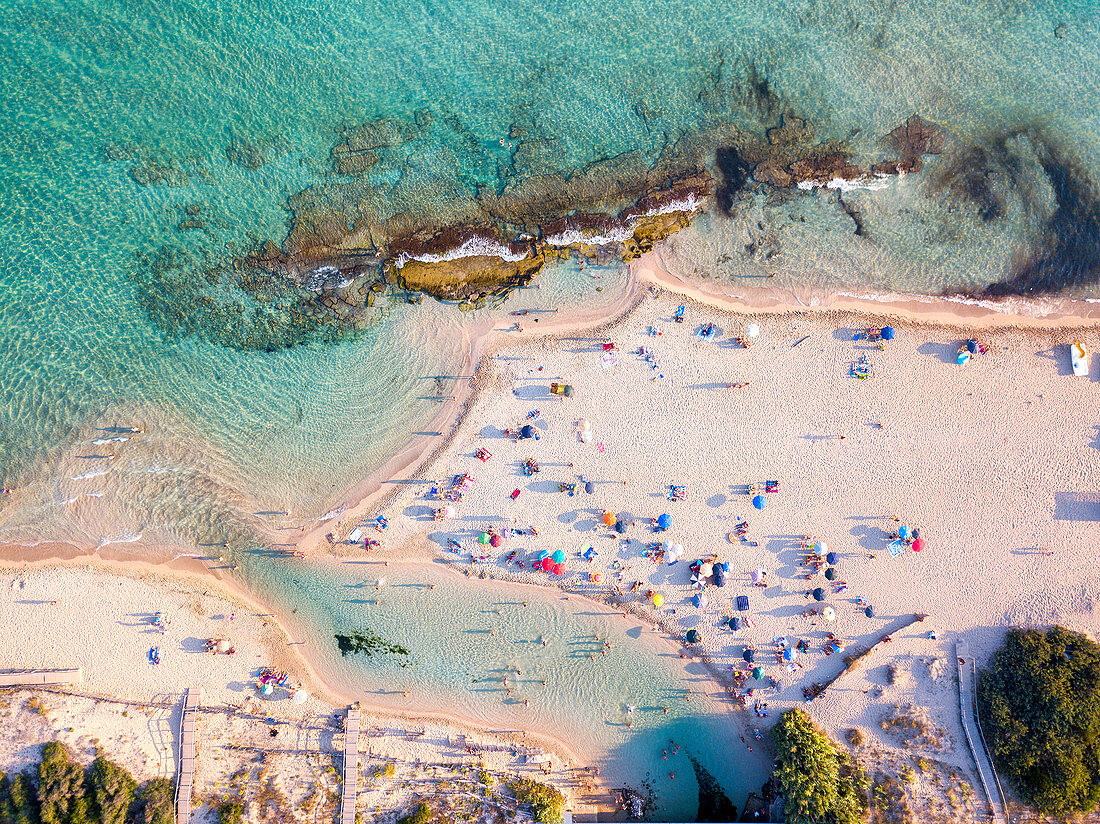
x=822 y=784
x=422 y=814
x=112 y=791
x=18 y=800
x=62 y=789
x=1039 y=704
x=545 y=801
x=157 y=806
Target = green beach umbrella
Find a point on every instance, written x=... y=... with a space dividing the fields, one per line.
x=758 y=673
x=483 y=538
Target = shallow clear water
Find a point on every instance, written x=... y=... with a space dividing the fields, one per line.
x=118 y=117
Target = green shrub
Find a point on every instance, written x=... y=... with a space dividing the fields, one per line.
x=18 y=800
x=112 y=790
x=545 y=801
x=1039 y=704
x=485 y=777
x=421 y=814
x=822 y=784
x=62 y=790
x=230 y=811
x=157 y=807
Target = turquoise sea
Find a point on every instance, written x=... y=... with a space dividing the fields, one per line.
x=143 y=146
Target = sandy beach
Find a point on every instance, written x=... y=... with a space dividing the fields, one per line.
x=994 y=463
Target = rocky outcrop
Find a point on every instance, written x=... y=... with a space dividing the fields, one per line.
x=911 y=140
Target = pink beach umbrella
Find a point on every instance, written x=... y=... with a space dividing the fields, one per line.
x=495 y=540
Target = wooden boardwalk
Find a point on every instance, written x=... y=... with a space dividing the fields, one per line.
x=41 y=678
x=974 y=737
x=185 y=773
x=351 y=766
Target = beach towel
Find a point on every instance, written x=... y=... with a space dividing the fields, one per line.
x=743 y=603
x=895 y=548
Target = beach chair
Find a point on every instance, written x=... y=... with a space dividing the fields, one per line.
x=380 y=523
x=679 y=316
x=677 y=493
x=771 y=486
x=483 y=454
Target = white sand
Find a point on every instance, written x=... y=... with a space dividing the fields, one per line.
x=994 y=462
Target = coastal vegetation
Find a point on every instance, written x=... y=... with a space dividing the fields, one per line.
x=1039 y=705
x=822 y=783
x=546 y=802
x=421 y=814
x=62 y=791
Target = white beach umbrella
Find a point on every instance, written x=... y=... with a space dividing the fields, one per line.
x=753 y=330
x=829 y=613
x=300 y=697
x=822 y=548
x=706 y=570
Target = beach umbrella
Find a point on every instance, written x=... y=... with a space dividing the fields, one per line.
x=483 y=538
x=449 y=511
x=300 y=697
x=589 y=487
x=759 y=502
x=887 y=333
x=664 y=520
x=692 y=636
x=789 y=654
x=821 y=548
x=830 y=574
x=608 y=518
x=719 y=577
x=829 y=613
x=758 y=575
x=658 y=600
x=558 y=556
x=559 y=569
x=620 y=526
x=903 y=532
x=819 y=594
x=831 y=558
x=758 y=673
x=544 y=554
x=700 y=600
x=869 y=612
x=706 y=569
x=725 y=565
x=597 y=577
x=583 y=423
x=527 y=431
x=972 y=346
x=753 y=330
x=734 y=623
x=495 y=540
x=748 y=654
x=918 y=544
x=590 y=553
x=267 y=689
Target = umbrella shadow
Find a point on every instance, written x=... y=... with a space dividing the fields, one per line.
x=419 y=512
x=945 y=352
x=1077 y=506
x=1096 y=438
x=871 y=538
x=543 y=487
x=532 y=392
x=1061 y=356
x=716 y=500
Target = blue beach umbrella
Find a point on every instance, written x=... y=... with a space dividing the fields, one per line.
x=749 y=656
x=663 y=520
x=819 y=594
x=692 y=636
x=759 y=502
x=527 y=431
x=869 y=612
x=589 y=487
x=903 y=532
x=558 y=557
x=887 y=332
x=831 y=558
x=734 y=624
x=789 y=654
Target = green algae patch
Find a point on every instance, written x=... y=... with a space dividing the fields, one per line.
x=369 y=642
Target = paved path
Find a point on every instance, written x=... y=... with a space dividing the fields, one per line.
x=186 y=760
x=40 y=678
x=973 y=734
x=351 y=766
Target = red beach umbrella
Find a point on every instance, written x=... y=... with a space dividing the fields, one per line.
x=547 y=564
x=918 y=544
x=495 y=540
x=559 y=569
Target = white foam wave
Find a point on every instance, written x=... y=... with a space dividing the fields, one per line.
x=476 y=246
x=128 y=538
x=872 y=183
x=332 y=513
x=688 y=204
x=91 y=473
x=119 y=439
x=574 y=237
